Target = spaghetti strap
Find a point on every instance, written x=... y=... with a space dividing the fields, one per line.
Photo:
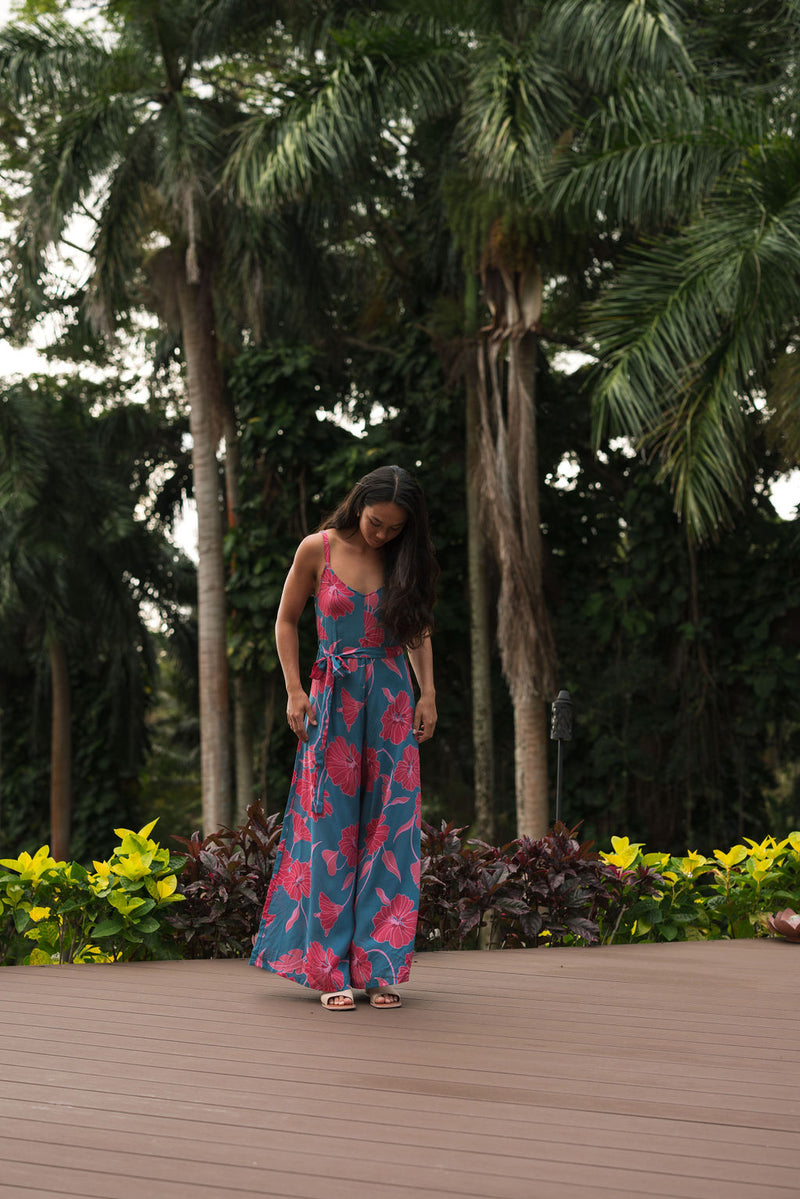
x=327 y=547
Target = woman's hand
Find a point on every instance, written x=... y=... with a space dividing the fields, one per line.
x=298 y=710
x=424 y=718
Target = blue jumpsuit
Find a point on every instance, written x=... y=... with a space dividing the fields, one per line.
x=342 y=905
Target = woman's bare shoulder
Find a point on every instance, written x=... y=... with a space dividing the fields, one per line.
x=304 y=575
x=310 y=553
x=339 y=536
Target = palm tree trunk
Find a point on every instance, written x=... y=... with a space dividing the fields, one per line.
x=60 y=753
x=480 y=647
x=205 y=392
x=530 y=717
x=272 y=683
x=243 y=743
x=510 y=491
x=242 y=722
x=530 y=763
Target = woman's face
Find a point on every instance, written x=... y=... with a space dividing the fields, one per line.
x=380 y=523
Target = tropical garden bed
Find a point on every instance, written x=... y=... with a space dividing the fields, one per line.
x=146 y=902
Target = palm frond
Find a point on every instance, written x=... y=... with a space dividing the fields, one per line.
x=52 y=58
x=71 y=156
x=24 y=446
x=749 y=44
x=333 y=125
x=518 y=103
x=690 y=327
x=650 y=154
x=190 y=139
x=600 y=40
x=130 y=207
x=225 y=26
x=783 y=402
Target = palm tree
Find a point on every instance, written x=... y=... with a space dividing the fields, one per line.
x=507 y=84
x=698 y=330
x=36 y=573
x=75 y=566
x=129 y=131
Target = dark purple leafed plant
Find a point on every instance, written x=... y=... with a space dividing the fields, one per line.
x=225 y=883
x=553 y=887
x=528 y=893
x=459 y=885
x=550 y=891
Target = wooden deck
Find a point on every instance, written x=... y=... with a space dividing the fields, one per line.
x=652 y=1070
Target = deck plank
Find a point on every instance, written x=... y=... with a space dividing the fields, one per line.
x=654 y=1070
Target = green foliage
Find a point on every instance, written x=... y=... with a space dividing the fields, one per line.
x=169 y=783
x=459 y=886
x=425 y=433
x=698 y=316
x=683 y=665
x=682 y=662
x=294 y=466
x=56 y=912
x=546 y=892
x=555 y=891
x=699 y=898
x=80 y=565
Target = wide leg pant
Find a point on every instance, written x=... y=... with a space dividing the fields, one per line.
x=342 y=905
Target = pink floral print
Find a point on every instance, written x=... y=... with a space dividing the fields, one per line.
x=397 y=719
x=407 y=769
x=321 y=969
x=360 y=967
x=350 y=709
x=297 y=879
x=348 y=844
x=343 y=764
x=372 y=767
x=373 y=632
x=334 y=599
x=396 y=921
x=377 y=832
x=328 y=911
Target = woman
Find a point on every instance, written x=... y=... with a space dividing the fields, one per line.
x=341 y=910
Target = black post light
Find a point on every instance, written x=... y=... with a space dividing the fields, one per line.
x=560 y=731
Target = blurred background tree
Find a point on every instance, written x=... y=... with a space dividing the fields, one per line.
x=85 y=588
x=346 y=187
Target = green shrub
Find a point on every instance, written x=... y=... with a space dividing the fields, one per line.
x=145 y=902
x=61 y=912
x=728 y=895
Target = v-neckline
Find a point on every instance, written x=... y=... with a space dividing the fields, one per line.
x=363 y=594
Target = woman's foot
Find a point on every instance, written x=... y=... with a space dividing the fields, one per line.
x=384 y=998
x=338 y=1001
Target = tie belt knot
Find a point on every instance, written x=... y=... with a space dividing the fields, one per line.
x=338 y=662
x=329 y=665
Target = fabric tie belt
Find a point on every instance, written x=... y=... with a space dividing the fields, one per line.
x=332 y=664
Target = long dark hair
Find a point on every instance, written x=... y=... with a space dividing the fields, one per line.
x=410 y=568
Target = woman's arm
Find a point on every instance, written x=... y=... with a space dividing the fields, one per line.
x=421 y=660
x=301 y=582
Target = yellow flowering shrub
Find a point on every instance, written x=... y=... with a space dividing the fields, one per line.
x=729 y=894
x=54 y=912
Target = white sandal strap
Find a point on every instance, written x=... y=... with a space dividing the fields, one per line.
x=347 y=993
